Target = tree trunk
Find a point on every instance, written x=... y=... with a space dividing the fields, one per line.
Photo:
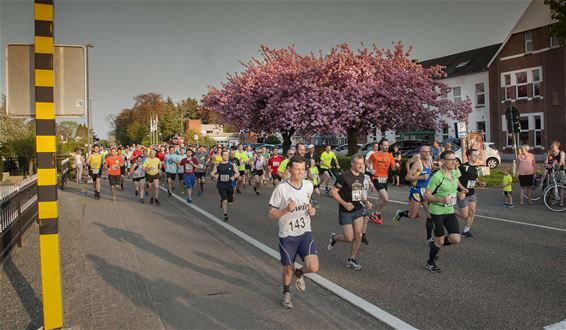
x=286 y=141
x=30 y=167
x=352 y=140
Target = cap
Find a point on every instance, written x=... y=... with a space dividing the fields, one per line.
x=311 y=146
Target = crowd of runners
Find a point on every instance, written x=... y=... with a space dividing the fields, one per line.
x=440 y=190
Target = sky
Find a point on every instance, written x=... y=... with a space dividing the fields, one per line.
x=179 y=48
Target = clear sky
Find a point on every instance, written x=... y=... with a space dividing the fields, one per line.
x=178 y=48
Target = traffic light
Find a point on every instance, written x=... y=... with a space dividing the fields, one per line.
x=512 y=116
x=509 y=118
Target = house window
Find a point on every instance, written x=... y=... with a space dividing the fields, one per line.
x=536 y=83
x=524 y=133
x=554 y=41
x=523 y=84
x=480 y=95
x=532 y=125
x=480 y=126
x=538 y=130
x=507 y=80
x=528 y=41
x=445 y=133
x=457 y=94
x=522 y=90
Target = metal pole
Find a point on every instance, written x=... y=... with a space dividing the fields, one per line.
x=88 y=103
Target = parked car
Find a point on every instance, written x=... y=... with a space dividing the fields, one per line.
x=492 y=157
x=342 y=150
x=404 y=146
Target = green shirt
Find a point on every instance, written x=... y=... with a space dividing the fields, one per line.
x=283 y=166
x=444 y=188
x=507 y=179
x=326 y=159
x=243 y=158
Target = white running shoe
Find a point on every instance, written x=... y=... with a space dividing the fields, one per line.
x=287 y=303
x=300 y=283
x=352 y=263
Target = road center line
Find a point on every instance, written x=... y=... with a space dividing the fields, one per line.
x=557 y=326
x=492 y=218
x=353 y=299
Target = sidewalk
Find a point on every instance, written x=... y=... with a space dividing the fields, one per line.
x=131 y=265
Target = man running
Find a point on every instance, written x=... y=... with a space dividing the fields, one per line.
x=469 y=179
x=290 y=205
x=273 y=164
x=171 y=160
x=326 y=159
x=441 y=193
x=138 y=176
x=258 y=163
x=202 y=157
x=152 y=167
x=379 y=164
x=283 y=165
x=419 y=174
x=94 y=162
x=225 y=173
x=114 y=163
x=189 y=165
x=180 y=169
x=243 y=158
x=348 y=192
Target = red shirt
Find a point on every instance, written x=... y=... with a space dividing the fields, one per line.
x=189 y=165
x=113 y=163
x=136 y=153
x=160 y=155
x=274 y=162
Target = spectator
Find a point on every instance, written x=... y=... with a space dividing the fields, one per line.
x=526 y=170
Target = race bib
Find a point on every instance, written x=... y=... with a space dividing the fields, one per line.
x=451 y=200
x=95 y=170
x=188 y=167
x=471 y=184
x=356 y=195
x=200 y=166
x=423 y=191
x=296 y=225
x=275 y=164
x=382 y=179
x=224 y=177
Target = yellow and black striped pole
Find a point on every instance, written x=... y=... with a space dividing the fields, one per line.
x=46 y=165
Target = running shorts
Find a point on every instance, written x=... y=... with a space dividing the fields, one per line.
x=276 y=176
x=200 y=175
x=417 y=194
x=114 y=180
x=378 y=186
x=189 y=180
x=445 y=220
x=462 y=203
x=242 y=173
x=347 y=218
x=139 y=179
x=291 y=246
x=226 y=193
x=171 y=176
x=526 y=180
x=150 y=178
x=257 y=172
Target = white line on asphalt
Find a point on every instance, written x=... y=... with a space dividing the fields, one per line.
x=353 y=299
x=557 y=326
x=493 y=218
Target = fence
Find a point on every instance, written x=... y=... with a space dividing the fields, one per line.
x=18 y=210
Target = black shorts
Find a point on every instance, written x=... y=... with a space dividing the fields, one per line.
x=526 y=180
x=257 y=172
x=226 y=193
x=507 y=193
x=248 y=167
x=95 y=176
x=276 y=177
x=139 y=179
x=180 y=176
x=122 y=170
x=114 y=180
x=321 y=170
x=150 y=178
x=378 y=186
x=171 y=176
x=242 y=173
x=445 y=220
x=200 y=175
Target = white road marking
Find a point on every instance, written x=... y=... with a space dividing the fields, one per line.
x=353 y=299
x=557 y=326
x=492 y=218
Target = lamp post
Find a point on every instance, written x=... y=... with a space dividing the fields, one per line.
x=88 y=109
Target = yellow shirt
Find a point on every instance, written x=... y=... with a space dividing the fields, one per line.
x=95 y=162
x=326 y=159
x=152 y=165
x=506 y=180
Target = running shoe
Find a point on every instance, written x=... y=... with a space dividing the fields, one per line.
x=364 y=239
x=287 y=303
x=169 y=193
x=300 y=283
x=510 y=205
x=468 y=234
x=151 y=200
x=397 y=217
x=225 y=217
x=189 y=200
x=432 y=267
x=157 y=202
x=332 y=242
x=375 y=217
x=352 y=263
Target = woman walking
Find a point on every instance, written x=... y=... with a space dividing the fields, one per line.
x=526 y=169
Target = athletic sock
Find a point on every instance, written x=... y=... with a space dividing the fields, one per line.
x=299 y=272
x=429 y=228
x=466 y=229
x=285 y=288
x=433 y=252
x=404 y=214
x=446 y=241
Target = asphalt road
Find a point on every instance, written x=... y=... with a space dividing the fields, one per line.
x=512 y=275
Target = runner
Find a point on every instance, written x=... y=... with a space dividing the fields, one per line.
x=138 y=176
x=379 y=164
x=225 y=173
x=161 y=156
x=396 y=173
x=348 y=192
x=290 y=205
x=189 y=164
x=258 y=163
x=368 y=215
x=469 y=179
x=180 y=169
x=152 y=166
x=243 y=158
x=419 y=174
x=122 y=155
x=266 y=155
x=114 y=163
x=315 y=179
x=248 y=176
x=326 y=159
x=171 y=160
x=283 y=165
x=273 y=164
x=441 y=194
x=200 y=174
x=94 y=162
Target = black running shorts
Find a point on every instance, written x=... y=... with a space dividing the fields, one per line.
x=445 y=220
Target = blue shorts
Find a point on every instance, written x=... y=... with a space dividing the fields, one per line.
x=291 y=246
x=417 y=194
x=189 y=180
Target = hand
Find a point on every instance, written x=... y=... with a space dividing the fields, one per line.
x=349 y=206
x=291 y=206
x=311 y=210
x=465 y=191
x=338 y=166
x=369 y=205
x=446 y=200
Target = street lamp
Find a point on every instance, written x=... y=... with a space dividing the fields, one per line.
x=88 y=110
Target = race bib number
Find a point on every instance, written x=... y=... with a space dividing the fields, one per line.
x=356 y=195
x=296 y=224
x=95 y=170
x=275 y=164
x=471 y=184
x=451 y=200
x=115 y=166
x=188 y=167
x=224 y=177
x=200 y=166
x=382 y=179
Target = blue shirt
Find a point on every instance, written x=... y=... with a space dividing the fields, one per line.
x=170 y=165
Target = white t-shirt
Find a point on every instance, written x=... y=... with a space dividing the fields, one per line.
x=78 y=160
x=298 y=221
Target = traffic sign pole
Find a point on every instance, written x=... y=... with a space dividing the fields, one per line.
x=46 y=148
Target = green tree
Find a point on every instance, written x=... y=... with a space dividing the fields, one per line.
x=272 y=139
x=67 y=130
x=558 y=12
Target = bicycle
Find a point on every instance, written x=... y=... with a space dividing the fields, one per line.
x=551 y=190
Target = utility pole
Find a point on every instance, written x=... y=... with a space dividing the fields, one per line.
x=88 y=99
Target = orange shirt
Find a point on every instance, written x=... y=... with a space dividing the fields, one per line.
x=113 y=163
x=381 y=163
